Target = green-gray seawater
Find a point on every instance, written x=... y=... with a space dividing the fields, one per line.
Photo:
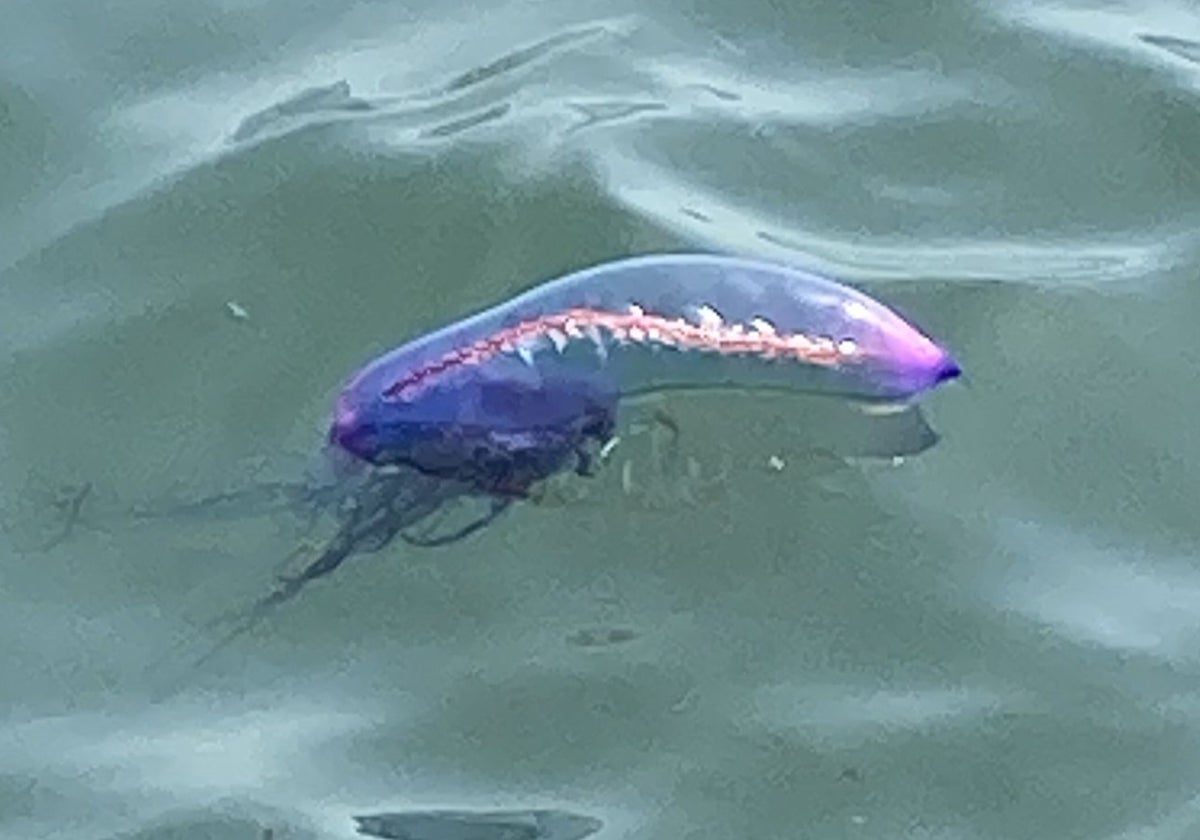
x=212 y=212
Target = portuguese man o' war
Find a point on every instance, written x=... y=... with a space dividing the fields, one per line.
x=489 y=407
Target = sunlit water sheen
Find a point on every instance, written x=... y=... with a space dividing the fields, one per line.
x=211 y=213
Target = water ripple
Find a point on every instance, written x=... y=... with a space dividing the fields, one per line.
x=155 y=763
x=1112 y=596
x=1136 y=32
x=705 y=215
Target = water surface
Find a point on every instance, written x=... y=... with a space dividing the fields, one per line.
x=211 y=213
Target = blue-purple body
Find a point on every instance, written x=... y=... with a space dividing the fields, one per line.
x=536 y=375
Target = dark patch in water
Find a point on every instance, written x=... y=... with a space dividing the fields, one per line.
x=601 y=636
x=479 y=825
x=851 y=774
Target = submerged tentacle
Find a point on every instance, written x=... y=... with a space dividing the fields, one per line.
x=385 y=505
x=664 y=476
x=70 y=502
x=497 y=508
x=74 y=507
x=288 y=587
x=241 y=502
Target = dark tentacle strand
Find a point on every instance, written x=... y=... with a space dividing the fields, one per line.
x=387 y=505
x=239 y=503
x=496 y=509
x=71 y=505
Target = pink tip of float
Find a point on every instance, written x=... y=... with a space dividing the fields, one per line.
x=931 y=365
